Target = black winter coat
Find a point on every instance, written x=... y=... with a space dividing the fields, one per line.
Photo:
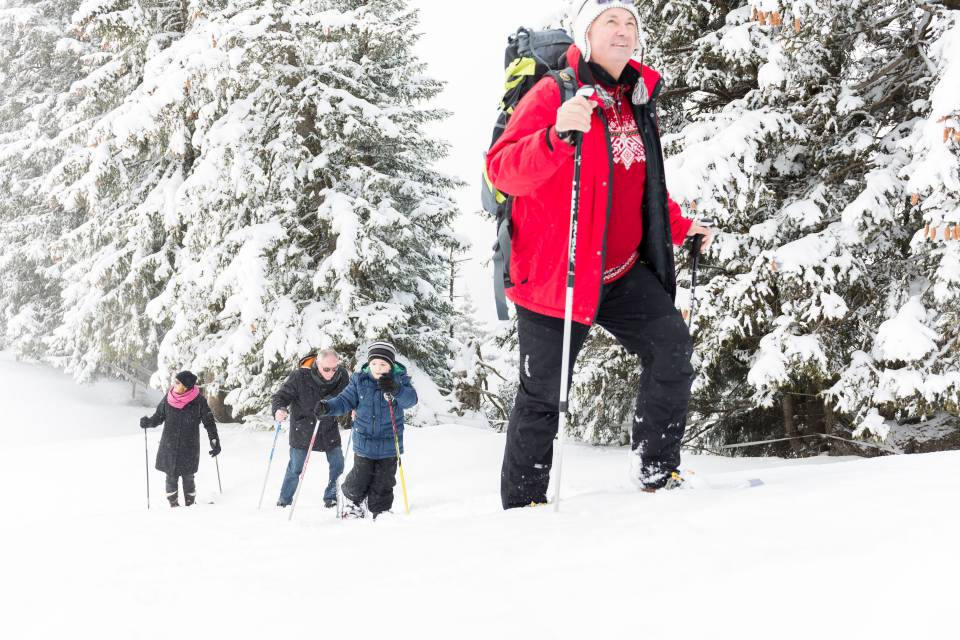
x=179 y=452
x=300 y=393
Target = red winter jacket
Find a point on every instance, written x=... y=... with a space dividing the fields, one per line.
x=534 y=166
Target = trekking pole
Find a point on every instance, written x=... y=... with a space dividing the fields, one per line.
x=694 y=265
x=585 y=92
x=146 y=459
x=216 y=461
x=396 y=443
x=340 y=479
x=276 y=435
x=303 y=472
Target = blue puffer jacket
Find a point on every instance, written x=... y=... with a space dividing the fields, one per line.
x=372 y=430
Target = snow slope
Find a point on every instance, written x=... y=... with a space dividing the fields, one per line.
x=826 y=548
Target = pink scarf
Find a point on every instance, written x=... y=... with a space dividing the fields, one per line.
x=180 y=400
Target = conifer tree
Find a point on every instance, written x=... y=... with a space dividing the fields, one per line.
x=313 y=216
x=34 y=74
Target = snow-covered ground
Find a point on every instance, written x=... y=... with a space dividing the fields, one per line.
x=825 y=548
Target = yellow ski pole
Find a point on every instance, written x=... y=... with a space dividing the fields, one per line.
x=396 y=443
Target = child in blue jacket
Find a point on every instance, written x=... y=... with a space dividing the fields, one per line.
x=374 y=471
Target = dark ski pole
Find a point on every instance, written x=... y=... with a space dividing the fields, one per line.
x=216 y=461
x=303 y=472
x=146 y=459
x=276 y=434
x=585 y=92
x=695 y=247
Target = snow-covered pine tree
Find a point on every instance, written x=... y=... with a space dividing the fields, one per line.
x=903 y=384
x=313 y=216
x=121 y=139
x=801 y=112
x=33 y=76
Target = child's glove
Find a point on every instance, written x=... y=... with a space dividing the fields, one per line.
x=388 y=385
x=214 y=447
x=145 y=423
x=320 y=409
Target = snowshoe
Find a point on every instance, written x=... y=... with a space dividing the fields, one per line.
x=354 y=511
x=675 y=481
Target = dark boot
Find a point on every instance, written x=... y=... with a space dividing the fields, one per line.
x=189 y=490
x=173 y=492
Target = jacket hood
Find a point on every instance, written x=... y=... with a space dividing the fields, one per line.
x=398 y=369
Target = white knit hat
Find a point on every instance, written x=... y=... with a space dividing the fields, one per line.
x=589 y=11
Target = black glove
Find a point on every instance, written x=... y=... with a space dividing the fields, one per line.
x=387 y=384
x=214 y=447
x=145 y=423
x=320 y=409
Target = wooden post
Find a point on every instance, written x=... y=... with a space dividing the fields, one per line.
x=221 y=412
x=829 y=418
x=789 y=426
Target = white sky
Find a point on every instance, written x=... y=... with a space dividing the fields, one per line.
x=463 y=45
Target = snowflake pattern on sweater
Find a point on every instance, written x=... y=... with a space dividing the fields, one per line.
x=624 y=136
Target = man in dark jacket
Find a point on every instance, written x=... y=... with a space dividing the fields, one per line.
x=318 y=377
x=181 y=412
x=625 y=279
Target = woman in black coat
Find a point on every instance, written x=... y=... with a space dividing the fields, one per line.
x=181 y=412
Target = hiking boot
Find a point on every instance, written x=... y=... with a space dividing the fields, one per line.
x=353 y=510
x=380 y=513
x=329 y=504
x=174 y=499
x=189 y=499
x=281 y=504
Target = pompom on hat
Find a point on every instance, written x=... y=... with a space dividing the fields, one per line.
x=589 y=11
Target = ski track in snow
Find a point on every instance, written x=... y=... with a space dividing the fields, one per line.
x=825 y=546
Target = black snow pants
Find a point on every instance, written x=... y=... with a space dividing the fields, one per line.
x=373 y=480
x=639 y=313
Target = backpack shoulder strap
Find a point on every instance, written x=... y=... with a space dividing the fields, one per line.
x=566 y=82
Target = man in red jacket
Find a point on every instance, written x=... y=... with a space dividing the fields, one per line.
x=625 y=278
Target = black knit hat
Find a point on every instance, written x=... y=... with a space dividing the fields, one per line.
x=382 y=350
x=187 y=379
